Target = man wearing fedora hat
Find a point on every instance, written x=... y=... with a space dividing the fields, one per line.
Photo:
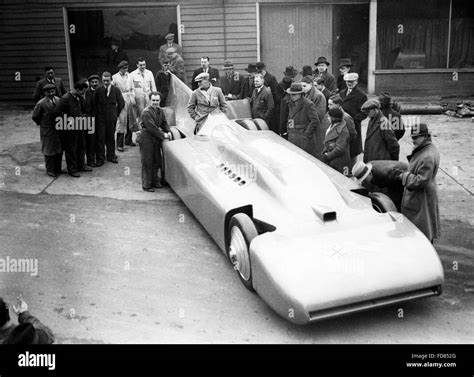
x=214 y=76
x=420 y=196
x=345 y=65
x=322 y=65
x=381 y=176
x=307 y=71
x=114 y=56
x=336 y=143
x=248 y=82
x=205 y=100
x=289 y=75
x=231 y=82
x=162 y=56
x=380 y=141
x=391 y=111
x=302 y=121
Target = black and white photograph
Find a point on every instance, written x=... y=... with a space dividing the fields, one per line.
x=243 y=172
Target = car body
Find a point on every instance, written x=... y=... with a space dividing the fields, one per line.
x=321 y=249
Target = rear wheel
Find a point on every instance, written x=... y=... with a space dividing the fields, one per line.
x=382 y=203
x=241 y=233
x=248 y=124
x=176 y=135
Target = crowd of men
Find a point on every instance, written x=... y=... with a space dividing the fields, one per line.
x=312 y=109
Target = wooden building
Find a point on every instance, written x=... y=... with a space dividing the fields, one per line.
x=400 y=46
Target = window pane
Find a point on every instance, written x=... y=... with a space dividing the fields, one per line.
x=461 y=53
x=140 y=32
x=412 y=34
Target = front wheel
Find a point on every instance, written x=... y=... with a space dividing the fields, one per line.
x=241 y=233
x=382 y=203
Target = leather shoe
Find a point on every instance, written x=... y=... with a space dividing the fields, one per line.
x=75 y=175
x=163 y=183
x=51 y=174
x=100 y=163
x=158 y=185
x=120 y=149
x=148 y=189
x=86 y=169
x=92 y=164
x=114 y=160
x=132 y=144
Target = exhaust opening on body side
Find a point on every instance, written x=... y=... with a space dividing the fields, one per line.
x=325 y=214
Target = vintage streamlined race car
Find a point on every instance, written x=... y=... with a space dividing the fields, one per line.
x=310 y=241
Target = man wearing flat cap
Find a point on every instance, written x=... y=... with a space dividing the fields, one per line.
x=162 y=55
x=336 y=143
x=231 y=82
x=352 y=100
x=420 y=197
x=214 y=76
x=114 y=56
x=205 y=100
x=43 y=116
x=302 y=121
x=380 y=141
x=322 y=65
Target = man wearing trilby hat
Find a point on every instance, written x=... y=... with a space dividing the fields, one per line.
x=345 y=66
x=302 y=120
x=420 y=197
x=322 y=65
x=162 y=56
x=231 y=82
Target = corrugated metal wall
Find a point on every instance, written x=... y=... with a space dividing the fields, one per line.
x=295 y=35
x=222 y=32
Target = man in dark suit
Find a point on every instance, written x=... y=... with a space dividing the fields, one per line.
x=71 y=109
x=206 y=68
x=89 y=110
x=231 y=82
x=109 y=102
x=261 y=102
x=352 y=100
x=114 y=56
x=49 y=79
x=271 y=82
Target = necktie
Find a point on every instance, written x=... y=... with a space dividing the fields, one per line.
x=349 y=91
x=108 y=90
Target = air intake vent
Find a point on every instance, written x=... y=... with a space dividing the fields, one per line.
x=231 y=174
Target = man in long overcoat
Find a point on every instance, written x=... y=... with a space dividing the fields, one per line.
x=303 y=121
x=43 y=116
x=352 y=100
x=336 y=144
x=420 y=197
x=380 y=141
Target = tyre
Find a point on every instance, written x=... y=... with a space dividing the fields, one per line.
x=176 y=135
x=241 y=233
x=382 y=203
x=261 y=124
x=248 y=124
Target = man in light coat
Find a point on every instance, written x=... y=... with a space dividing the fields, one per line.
x=143 y=84
x=43 y=116
x=123 y=81
x=420 y=197
x=205 y=100
x=380 y=141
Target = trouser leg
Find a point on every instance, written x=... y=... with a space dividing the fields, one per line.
x=81 y=150
x=146 y=154
x=58 y=159
x=49 y=163
x=110 y=140
x=100 y=143
x=69 y=143
x=120 y=140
